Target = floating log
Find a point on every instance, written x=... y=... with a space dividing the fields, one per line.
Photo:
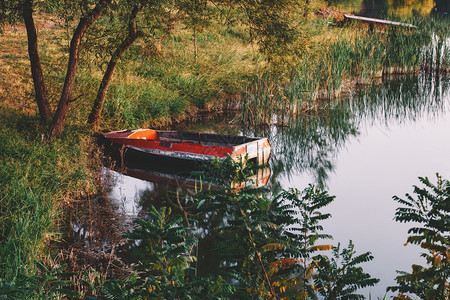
x=378 y=21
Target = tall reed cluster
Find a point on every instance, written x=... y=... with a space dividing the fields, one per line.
x=323 y=73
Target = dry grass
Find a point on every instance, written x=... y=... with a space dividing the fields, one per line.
x=15 y=83
x=222 y=70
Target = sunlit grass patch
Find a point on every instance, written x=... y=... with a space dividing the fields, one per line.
x=134 y=105
x=157 y=91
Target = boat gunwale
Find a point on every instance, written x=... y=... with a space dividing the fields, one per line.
x=254 y=139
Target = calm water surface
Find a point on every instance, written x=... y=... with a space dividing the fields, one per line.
x=389 y=8
x=364 y=150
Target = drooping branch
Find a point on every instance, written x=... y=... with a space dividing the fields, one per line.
x=72 y=67
x=35 y=62
x=133 y=34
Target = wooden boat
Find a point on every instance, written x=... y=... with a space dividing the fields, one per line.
x=190 y=146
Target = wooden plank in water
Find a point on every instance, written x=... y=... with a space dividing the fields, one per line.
x=378 y=21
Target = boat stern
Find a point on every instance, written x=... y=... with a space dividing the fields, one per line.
x=259 y=150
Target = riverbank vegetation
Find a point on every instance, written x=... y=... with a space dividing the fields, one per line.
x=204 y=64
x=195 y=63
x=246 y=242
x=230 y=243
x=353 y=56
x=40 y=180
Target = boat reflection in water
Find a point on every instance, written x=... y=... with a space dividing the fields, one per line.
x=193 y=181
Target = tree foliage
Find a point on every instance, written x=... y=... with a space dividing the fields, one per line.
x=430 y=210
x=339 y=277
x=264 y=244
x=242 y=244
x=10 y=12
x=237 y=242
x=162 y=248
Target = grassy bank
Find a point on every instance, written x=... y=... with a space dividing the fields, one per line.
x=329 y=61
x=162 y=83
x=40 y=180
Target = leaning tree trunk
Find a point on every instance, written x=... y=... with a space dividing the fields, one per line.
x=35 y=62
x=305 y=13
x=94 y=116
x=66 y=96
x=194 y=37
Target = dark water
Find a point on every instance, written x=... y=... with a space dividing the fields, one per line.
x=364 y=150
x=397 y=8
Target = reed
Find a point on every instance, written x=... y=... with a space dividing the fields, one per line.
x=312 y=139
x=310 y=143
x=260 y=101
x=323 y=72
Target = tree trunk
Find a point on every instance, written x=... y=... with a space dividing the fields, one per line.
x=94 y=116
x=66 y=96
x=195 y=45
x=35 y=62
x=305 y=13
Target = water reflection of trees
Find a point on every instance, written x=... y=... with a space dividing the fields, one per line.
x=442 y=6
x=311 y=142
x=403 y=100
x=168 y=195
x=374 y=8
x=386 y=8
x=93 y=233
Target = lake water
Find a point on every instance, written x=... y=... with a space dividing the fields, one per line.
x=364 y=150
x=388 y=8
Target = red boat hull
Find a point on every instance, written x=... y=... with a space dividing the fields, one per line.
x=192 y=146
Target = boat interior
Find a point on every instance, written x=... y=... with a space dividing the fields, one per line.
x=207 y=139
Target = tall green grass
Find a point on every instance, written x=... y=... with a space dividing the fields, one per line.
x=38 y=179
x=132 y=106
x=167 y=85
x=159 y=83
